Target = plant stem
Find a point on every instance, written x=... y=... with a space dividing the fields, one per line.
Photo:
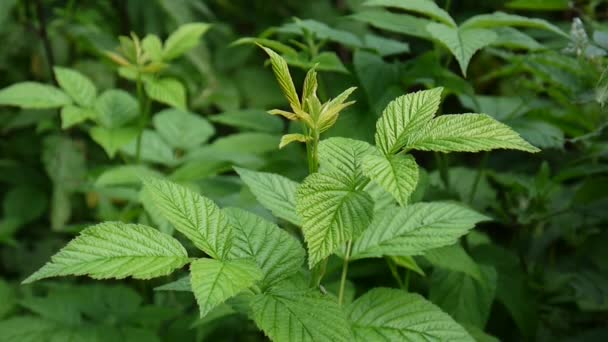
x=349 y=245
x=480 y=172
x=406 y=281
x=394 y=271
x=443 y=169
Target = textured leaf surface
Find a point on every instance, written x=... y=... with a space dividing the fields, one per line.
x=76 y=85
x=396 y=174
x=181 y=129
x=214 y=281
x=332 y=212
x=498 y=19
x=467 y=133
x=462 y=42
x=394 y=315
x=116 y=250
x=466 y=299
x=169 y=91
x=414 y=229
x=183 y=39
x=276 y=252
x=425 y=7
x=343 y=156
x=403 y=116
x=293 y=315
x=193 y=215
x=274 y=192
x=33 y=95
x=281 y=72
x=115 y=108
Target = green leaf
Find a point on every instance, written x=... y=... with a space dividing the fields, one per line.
x=115 y=108
x=28 y=329
x=467 y=300
x=396 y=174
x=78 y=86
x=183 y=39
x=181 y=129
x=113 y=139
x=414 y=229
x=462 y=42
x=25 y=203
x=332 y=212
x=275 y=192
x=287 y=314
x=72 y=115
x=169 y=91
x=409 y=263
x=500 y=19
x=467 y=133
x=8 y=299
x=289 y=138
x=153 y=47
x=278 y=254
x=424 y=7
x=153 y=149
x=344 y=156
x=182 y=285
x=33 y=95
x=116 y=250
x=395 y=315
x=514 y=39
x=454 y=258
x=214 y=281
x=281 y=72
x=195 y=216
x=404 y=116
x=250 y=119
x=125 y=174
x=395 y=22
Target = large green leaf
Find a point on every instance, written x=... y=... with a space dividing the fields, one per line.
x=466 y=299
x=169 y=91
x=396 y=174
x=116 y=250
x=384 y=314
x=288 y=314
x=333 y=211
x=278 y=254
x=404 y=116
x=115 y=108
x=193 y=215
x=424 y=7
x=78 y=86
x=182 y=129
x=462 y=42
x=467 y=133
x=183 y=39
x=274 y=192
x=33 y=95
x=113 y=139
x=344 y=156
x=498 y=19
x=214 y=281
x=414 y=229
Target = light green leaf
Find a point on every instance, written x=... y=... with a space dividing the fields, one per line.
x=250 y=119
x=153 y=149
x=182 y=285
x=404 y=116
x=195 y=216
x=33 y=95
x=113 y=139
x=115 y=108
x=153 y=47
x=454 y=258
x=462 y=42
x=514 y=39
x=281 y=72
x=116 y=250
x=181 y=129
x=288 y=314
x=395 y=22
x=78 y=86
x=332 y=212
x=289 y=138
x=414 y=229
x=183 y=39
x=396 y=174
x=467 y=133
x=384 y=314
x=125 y=174
x=72 y=115
x=409 y=263
x=500 y=19
x=467 y=300
x=214 y=281
x=247 y=142
x=424 y=7
x=278 y=254
x=275 y=192
x=169 y=91
x=344 y=156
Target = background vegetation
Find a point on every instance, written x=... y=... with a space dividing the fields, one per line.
x=537 y=271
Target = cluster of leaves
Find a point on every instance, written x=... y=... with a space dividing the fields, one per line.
x=220 y=225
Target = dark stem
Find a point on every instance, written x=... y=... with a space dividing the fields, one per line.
x=480 y=172
x=43 y=34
